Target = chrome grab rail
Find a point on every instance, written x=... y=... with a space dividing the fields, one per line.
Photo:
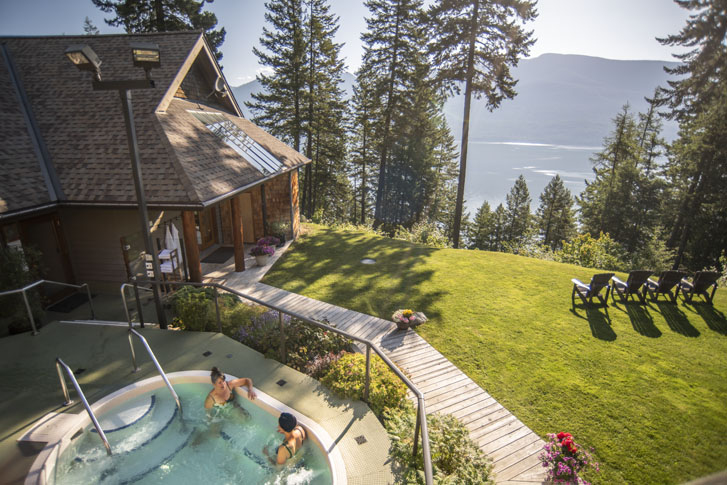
x=68 y=402
x=156 y=363
x=123 y=299
x=40 y=282
x=421 y=422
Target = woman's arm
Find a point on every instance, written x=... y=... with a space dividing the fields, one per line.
x=209 y=402
x=244 y=381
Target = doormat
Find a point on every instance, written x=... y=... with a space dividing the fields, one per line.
x=220 y=255
x=70 y=303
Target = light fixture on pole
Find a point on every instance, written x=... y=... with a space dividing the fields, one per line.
x=145 y=55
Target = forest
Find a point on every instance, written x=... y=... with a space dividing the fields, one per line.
x=387 y=160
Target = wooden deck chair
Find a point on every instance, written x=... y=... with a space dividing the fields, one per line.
x=700 y=285
x=586 y=292
x=632 y=285
x=668 y=280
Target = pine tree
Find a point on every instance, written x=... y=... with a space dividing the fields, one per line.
x=137 y=16
x=89 y=28
x=554 y=217
x=482 y=228
x=476 y=42
x=391 y=53
x=698 y=99
x=518 y=213
x=701 y=74
x=279 y=106
x=498 y=236
x=324 y=182
x=363 y=152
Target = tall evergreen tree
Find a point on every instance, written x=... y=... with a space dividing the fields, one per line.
x=137 y=16
x=518 y=212
x=554 y=217
x=89 y=28
x=324 y=183
x=476 y=42
x=363 y=148
x=391 y=53
x=482 y=228
x=697 y=98
x=279 y=106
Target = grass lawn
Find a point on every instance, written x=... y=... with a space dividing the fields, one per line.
x=646 y=386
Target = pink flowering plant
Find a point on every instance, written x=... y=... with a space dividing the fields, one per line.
x=404 y=316
x=566 y=459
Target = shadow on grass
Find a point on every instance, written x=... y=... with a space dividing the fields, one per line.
x=641 y=320
x=676 y=318
x=330 y=251
x=598 y=319
x=714 y=318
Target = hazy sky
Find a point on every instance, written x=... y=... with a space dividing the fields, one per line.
x=614 y=29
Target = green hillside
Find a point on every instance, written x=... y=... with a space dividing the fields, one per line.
x=645 y=386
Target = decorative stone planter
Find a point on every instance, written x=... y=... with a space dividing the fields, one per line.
x=262 y=260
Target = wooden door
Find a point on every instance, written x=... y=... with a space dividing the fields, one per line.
x=208 y=227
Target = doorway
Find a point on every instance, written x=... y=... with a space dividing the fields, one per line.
x=207 y=227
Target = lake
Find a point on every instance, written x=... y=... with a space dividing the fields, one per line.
x=493 y=167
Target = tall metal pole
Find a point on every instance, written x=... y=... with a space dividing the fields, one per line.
x=125 y=95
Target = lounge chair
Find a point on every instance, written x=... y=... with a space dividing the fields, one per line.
x=668 y=280
x=631 y=286
x=586 y=292
x=700 y=285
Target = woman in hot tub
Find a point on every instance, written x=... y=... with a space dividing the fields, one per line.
x=223 y=393
x=293 y=433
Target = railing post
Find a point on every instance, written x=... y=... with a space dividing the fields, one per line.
x=367 y=381
x=283 y=352
x=217 y=310
x=63 y=385
x=416 y=430
x=133 y=355
x=90 y=302
x=30 y=313
x=138 y=304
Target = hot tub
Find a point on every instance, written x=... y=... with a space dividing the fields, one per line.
x=151 y=443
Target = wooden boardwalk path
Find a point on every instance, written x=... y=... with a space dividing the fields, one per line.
x=511 y=445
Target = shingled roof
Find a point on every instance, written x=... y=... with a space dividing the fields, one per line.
x=183 y=164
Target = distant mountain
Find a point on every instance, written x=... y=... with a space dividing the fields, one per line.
x=562 y=99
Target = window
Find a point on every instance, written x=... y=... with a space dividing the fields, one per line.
x=239 y=141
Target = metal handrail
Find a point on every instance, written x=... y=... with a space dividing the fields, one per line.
x=156 y=363
x=421 y=422
x=136 y=294
x=68 y=402
x=40 y=282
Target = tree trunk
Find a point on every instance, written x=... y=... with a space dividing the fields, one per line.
x=465 y=131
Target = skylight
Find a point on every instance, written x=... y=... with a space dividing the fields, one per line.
x=239 y=141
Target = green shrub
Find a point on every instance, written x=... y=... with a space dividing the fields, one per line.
x=426 y=233
x=196 y=309
x=346 y=378
x=18 y=269
x=455 y=457
x=584 y=250
x=303 y=342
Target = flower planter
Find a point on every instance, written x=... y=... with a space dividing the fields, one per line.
x=406 y=318
x=262 y=260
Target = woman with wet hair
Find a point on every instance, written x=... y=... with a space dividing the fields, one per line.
x=223 y=392
x=294 y=435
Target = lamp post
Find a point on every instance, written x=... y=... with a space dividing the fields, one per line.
x=145 y=55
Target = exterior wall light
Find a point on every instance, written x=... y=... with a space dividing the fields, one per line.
x=85 y=59
x=146 y=55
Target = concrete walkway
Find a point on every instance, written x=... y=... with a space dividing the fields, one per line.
x=511 y=445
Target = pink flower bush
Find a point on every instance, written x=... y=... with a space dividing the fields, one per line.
x=565 y=459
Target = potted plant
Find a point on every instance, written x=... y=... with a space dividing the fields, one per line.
x=271 y=241
x=407 y=318
x=279 y=230
x=565 y=459
x=262 y=253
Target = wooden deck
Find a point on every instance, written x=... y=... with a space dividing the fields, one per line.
x=513 y=447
